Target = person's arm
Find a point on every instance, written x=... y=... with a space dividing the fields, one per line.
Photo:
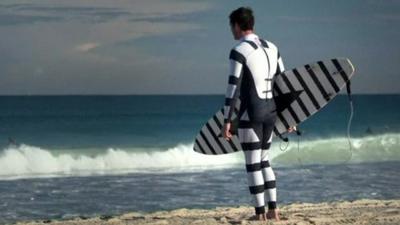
x=236 y=61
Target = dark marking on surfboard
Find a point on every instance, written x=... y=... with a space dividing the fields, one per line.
x=299 y=100
x=285 y=123
x=216 y=138
x=220 y=126
x=317 y=82
x=309 y=93
x=328 y=76
x=340 y=70
x=200 y=147
x=207 y=143
x=286 y=99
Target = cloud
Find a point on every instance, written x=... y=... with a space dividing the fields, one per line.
x=86 y=46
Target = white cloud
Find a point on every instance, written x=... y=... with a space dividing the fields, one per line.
x=86 y=46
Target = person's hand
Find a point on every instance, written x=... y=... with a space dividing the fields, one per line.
x=291 y=129
x=227 y=132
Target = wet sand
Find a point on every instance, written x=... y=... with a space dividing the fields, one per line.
x=364 y=211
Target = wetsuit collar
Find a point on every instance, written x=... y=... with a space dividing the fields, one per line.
x=251 y=37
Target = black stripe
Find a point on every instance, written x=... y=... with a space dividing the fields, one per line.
x=208 y=143
x=228 y=102
x=285 y=123
x=253 y=167
x=217 y=121
x=201 y=147
x=278 y=69
x=276 y=131
x=328 y=76
x=259 y=209
x=233 y=80
x=299 y=100
x=252 y=44
x=233 y=144
x=215 y=138
x=220 y=127
x=249 y=146
x=292 y=112
x=264 y=43
x=340 y=69
x=309 y=93
x=270 y=184
x=236 y=110
x=245 y=124
x=271 y=204
x=265 y=164
x=256 y=189
x=237 y=56
x=316 y=81
x=265 y=145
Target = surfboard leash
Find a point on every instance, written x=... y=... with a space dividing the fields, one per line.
x=350 y=119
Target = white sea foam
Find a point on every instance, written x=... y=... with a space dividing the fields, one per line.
x=23 y=160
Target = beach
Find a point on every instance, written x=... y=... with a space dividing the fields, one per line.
x=363 y=211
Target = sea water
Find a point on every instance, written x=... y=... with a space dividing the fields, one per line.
x=66 y=156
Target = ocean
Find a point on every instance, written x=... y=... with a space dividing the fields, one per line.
x=68 y=156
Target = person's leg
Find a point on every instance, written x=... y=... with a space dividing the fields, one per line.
x=251 y=145
x=268 y=173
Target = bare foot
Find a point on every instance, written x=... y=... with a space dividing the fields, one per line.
x=261 y=217
x=273 y=214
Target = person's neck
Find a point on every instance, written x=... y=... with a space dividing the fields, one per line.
x=247 y=32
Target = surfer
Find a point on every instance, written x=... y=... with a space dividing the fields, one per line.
x=253 y=63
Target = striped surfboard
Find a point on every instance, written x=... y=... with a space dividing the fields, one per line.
x=299 y=93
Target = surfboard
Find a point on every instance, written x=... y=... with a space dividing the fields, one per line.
x=299 y=93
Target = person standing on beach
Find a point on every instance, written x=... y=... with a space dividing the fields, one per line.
x=253 y=64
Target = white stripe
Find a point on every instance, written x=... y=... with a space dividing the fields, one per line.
x=247 y=135
x=280 y=63
x=230 y=91
x=226 y=111
x=255 y=178
x=258 y=199
x=235 y=68
x=271 y=193
x=245 y=116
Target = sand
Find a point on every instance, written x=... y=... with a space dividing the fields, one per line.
x=364 y=211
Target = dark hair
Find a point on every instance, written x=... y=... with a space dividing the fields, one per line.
x=243 y=16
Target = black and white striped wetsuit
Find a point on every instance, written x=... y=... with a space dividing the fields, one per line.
x=253 y=64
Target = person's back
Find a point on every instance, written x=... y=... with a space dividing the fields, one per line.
x=259 y=60
x=253 y=64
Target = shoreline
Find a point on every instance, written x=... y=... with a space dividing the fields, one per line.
x=362 y=211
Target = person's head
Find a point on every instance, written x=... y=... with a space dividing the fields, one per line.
x=241 y=21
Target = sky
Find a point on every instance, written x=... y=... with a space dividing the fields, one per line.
x=126 y=47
